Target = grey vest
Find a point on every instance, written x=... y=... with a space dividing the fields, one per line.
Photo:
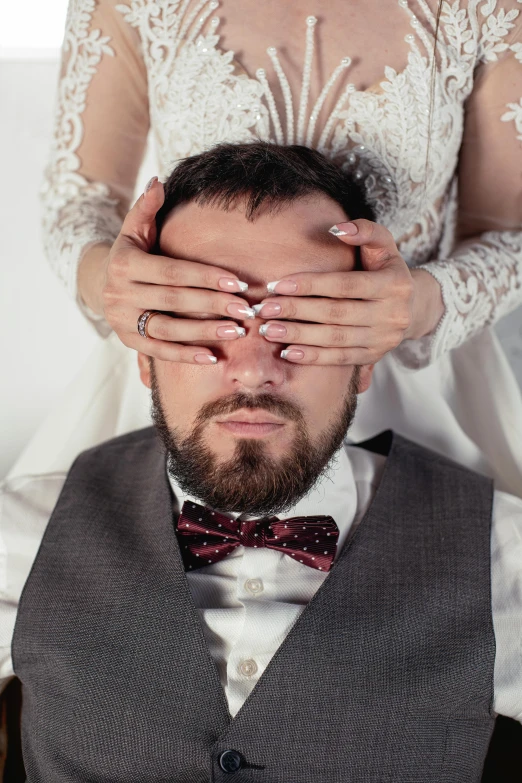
x=387 y=676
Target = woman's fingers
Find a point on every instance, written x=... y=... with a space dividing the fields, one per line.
x=141 y=267
x=388 y=318
x=187 y=300
x=331 y=336
x=139 y=227
x=375 y=238
x=169 y=338
x=171 y=352
x=347 y=312
x=374 y=327
x=378 y=253
x=306 y=354
x=165 y=327
x=356 y=284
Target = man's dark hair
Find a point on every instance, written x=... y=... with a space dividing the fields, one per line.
x=262 y=174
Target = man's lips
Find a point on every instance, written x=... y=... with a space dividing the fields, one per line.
x=251 y=423
x=251 y=417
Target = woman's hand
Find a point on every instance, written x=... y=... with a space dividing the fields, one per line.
x=355 y=317
x=135 y=281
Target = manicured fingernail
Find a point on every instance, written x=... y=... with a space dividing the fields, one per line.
x=229 y=284
x=272 y=330
x=267 y=310
x=343 y=229
x=204 y=358
x=282 y=287
x=230 y=331
x=240 y=311
x=292 y=354
x=150 y=183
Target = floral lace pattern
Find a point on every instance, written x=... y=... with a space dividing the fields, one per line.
x=514 y=114
x=76 y=213
x=474 y=297
x=196 y=99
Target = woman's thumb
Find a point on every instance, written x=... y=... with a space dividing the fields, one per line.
x=140 y=222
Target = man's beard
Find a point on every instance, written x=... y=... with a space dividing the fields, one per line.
x=251 y=481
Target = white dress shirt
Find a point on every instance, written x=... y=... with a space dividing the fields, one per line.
x=249 y=601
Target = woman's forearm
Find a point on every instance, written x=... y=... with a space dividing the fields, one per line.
x=91 y=276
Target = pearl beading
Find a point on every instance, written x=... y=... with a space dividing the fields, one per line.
x=201 y=21
x=301 y=137
x=296 y=135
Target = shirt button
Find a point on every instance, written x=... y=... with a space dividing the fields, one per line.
x=248 y=668
x=254 y=586
x=230 y=761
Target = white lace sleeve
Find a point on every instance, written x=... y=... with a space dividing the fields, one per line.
x=481 y=279
x=100 y=133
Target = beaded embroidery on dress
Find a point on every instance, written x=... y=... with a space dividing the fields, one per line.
x=197 y=98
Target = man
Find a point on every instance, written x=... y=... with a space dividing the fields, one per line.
x=254 y=600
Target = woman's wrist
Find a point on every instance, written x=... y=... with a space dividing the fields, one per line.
x=91 y=276
x=428 y=305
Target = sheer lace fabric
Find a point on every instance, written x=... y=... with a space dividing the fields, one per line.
x=455 y=208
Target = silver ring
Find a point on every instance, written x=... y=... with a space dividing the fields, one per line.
x=143 y=321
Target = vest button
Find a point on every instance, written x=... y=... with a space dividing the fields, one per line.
x=230 y=761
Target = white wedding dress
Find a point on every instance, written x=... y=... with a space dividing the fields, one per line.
x=369 y=90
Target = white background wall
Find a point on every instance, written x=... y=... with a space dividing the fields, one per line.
x=43 y=339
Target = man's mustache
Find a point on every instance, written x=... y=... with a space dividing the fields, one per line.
x=235 y=402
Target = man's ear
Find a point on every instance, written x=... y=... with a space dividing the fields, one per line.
x=365 y=377
x=144 y=366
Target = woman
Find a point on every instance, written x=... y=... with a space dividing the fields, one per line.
x=419 y=98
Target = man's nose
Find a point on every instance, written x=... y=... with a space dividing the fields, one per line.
x=252 y=362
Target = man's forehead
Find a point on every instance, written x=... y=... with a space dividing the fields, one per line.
x=292 y=239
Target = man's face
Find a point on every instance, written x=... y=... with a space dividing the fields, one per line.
x=253 y=432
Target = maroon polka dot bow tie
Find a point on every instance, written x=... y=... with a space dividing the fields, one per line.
x=206 y=536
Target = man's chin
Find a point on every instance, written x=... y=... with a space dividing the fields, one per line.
x=245 y=457
x=226 y=441
x=249 y=481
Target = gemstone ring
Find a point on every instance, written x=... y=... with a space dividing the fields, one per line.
x=143 y=321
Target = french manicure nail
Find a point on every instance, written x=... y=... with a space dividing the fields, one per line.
x=272 y=330
x=282 y=287
x=344 y=230
x=230 y=331
x=240 y=311
x=291 y=353
x=204 y=358
x=267 y=310
x=150 y=183
x=230 y=284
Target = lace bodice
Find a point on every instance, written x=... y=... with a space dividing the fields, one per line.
x=436 y=142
